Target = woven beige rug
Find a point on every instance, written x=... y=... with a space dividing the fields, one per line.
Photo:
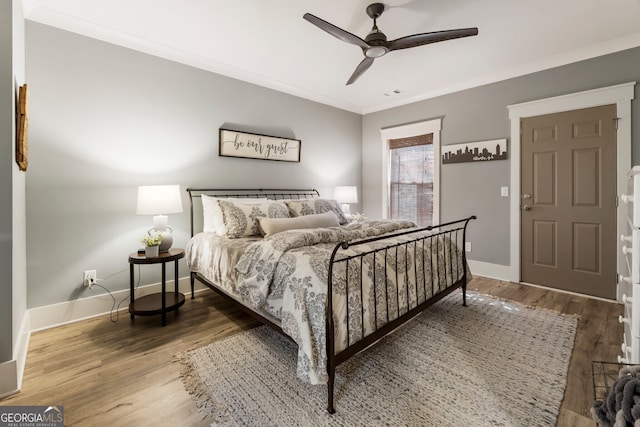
x=493 y=363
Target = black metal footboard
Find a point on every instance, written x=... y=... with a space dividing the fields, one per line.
x=381 y=283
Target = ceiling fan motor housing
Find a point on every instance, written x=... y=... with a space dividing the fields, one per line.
x=376 y=37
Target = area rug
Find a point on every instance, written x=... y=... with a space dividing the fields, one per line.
x=492 y=363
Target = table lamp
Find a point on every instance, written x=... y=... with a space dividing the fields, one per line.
x=344 y=195
x=159 y=200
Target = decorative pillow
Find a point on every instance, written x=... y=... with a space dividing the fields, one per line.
x=241 y=219
x=301 y=207
x=212 y=215
x=330 y=205
x=311 y=206
x=271 y=226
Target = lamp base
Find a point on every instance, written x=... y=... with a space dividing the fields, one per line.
x=167 y=242
x=167 y=237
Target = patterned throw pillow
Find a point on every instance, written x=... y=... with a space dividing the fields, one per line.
x=313 y=206
x=330 y=205
x=212 y=215
x=301 y=207
x=241 y=219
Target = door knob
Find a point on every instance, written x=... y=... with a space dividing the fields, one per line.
x=527 y=207
x=526 y=196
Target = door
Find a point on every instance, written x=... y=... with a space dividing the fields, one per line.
x=568 y=217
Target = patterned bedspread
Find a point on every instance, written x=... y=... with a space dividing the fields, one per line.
x=287 y=275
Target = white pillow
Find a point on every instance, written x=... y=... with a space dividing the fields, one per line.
x=241 y=219
x=271 y=226
x=212 y=215
x=312 y=206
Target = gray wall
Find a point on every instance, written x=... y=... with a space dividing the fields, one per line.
x=481 y=114
x=105 y=119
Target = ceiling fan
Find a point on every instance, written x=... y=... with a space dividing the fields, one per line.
x=375 y=44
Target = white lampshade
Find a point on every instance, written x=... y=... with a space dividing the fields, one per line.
x=346 y=194
x=159 y=199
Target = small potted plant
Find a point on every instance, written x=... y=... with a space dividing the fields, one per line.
x=151 y=244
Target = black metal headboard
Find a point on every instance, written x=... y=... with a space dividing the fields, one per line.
x=269 y=193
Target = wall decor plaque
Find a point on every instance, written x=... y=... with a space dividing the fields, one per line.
x=256 y=146
x=22 y=129
x=495 y=149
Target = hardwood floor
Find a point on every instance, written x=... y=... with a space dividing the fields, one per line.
x=123 y=373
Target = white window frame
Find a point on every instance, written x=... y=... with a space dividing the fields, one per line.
x=406 y=131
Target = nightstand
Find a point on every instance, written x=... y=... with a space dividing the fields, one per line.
x=158 y=303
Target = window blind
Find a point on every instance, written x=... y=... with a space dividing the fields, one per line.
x=411 y=179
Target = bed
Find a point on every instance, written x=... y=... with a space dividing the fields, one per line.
x=292 y=260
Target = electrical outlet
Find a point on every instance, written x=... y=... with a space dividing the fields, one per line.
x=467 y=246
x=89 y=278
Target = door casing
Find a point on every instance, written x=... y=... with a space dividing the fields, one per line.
x=621 y=95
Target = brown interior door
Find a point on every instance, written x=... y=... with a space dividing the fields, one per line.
x=568 y=217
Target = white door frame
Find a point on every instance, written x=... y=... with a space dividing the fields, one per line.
x=405 y=131
x=621 y=95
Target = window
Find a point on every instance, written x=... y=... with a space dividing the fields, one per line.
x=411 y=179
x=411 y=172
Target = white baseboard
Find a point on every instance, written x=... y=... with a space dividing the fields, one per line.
x=85 y=308
x=492 y=271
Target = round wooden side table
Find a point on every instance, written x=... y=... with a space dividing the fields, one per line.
x=158 y=303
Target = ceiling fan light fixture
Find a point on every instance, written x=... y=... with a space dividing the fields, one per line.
x=375 y=51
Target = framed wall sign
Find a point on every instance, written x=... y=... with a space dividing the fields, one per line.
x=22 y=129
x=256 y=146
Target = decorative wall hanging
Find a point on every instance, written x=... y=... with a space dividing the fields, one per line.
x=495 y=149
x=255 y=146
x=22 y=123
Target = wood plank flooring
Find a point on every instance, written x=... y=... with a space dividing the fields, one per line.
x=124 y=374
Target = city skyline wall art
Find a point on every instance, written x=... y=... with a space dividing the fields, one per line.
x=495 y=149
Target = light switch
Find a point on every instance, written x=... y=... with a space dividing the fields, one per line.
x=504 y=191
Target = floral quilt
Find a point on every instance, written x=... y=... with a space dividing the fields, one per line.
x=292 y=268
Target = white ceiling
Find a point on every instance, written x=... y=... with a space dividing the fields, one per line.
x=269 y=44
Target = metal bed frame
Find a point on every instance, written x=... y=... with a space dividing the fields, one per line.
x=453 y=232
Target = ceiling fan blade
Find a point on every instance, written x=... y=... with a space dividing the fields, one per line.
x=427 y=38
x=360 y=69
x=337 y=32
